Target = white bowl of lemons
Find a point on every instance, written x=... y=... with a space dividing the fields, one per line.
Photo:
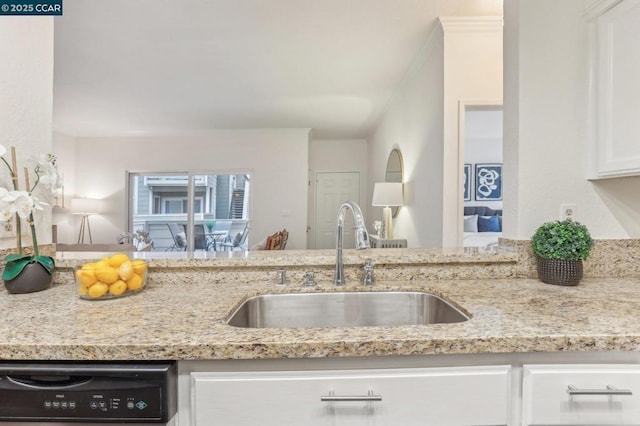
x=111 y=277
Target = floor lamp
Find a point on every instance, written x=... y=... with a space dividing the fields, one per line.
x=85 y=207
x=387 y=194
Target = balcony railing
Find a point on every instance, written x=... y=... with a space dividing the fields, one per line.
x=174 y=180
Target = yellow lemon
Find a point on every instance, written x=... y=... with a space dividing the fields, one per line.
x=102 y=264
x=126 y=270
x=118 y=259
x=98 y=290
x=135 y=282
x=86 y=276
x=83 y=289
x=139 y=266
x=89 y=265
x=107 y=275
x=118 y=288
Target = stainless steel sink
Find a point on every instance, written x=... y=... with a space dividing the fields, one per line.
x=344 y=309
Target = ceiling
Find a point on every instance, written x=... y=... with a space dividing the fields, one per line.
x=151 y=67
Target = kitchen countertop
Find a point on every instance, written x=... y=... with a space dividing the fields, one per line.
x=278 y=258
x=186 y=321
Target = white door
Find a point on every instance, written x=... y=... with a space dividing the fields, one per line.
x=333 y=189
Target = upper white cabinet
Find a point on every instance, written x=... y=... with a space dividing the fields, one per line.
x=615 y=55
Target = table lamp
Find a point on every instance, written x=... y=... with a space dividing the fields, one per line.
x=85 y=207
x=387 y=194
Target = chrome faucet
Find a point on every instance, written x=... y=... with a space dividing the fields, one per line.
x=362 y=236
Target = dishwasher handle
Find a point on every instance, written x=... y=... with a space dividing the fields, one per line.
x=36 y=381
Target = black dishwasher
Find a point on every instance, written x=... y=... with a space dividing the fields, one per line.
x=88 y=393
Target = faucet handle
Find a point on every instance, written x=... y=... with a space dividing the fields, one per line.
x=368 y=277
x=309 y=279
x=281 y=277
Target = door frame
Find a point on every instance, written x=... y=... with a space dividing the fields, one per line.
x=463 y=107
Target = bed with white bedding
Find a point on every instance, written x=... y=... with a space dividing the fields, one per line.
x=480 y=239
x=482 y=226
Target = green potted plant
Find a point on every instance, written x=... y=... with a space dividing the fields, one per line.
x=560 y=247
x=26 y=272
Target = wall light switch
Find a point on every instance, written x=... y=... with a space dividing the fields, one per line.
x=568 y=211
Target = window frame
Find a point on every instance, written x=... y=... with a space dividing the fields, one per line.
x=191 y=178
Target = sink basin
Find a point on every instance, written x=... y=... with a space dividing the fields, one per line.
x=344 y=309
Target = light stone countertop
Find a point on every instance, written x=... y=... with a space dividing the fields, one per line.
x=277 y=258
x=187 y=321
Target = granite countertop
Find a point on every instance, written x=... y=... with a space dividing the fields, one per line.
x=277 y=258
x=187 y=321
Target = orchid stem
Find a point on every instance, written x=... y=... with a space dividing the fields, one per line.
x=33 y=236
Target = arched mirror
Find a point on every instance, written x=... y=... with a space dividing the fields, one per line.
x=394 y=172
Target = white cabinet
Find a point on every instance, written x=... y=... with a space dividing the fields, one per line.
x=615 y=93
x=408 y=396
x=581 y=395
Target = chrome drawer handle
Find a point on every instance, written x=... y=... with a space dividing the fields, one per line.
x=350 y=398
x=610 y=390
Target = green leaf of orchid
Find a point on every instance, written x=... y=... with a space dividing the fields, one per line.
x=16 y=256
x=13 y=268
x=47 y=263
x=16 y=263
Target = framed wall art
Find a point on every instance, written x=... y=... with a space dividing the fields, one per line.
x=467 y=182
x=488 y=182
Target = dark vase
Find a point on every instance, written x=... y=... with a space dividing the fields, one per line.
x=559 y=271
x=32 y=278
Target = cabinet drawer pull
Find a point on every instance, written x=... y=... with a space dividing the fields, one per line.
x=350 y=398
x=610 y=390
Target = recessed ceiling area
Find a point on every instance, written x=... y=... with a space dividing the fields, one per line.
x=150 y=67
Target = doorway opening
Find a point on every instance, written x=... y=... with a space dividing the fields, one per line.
x=481 y=174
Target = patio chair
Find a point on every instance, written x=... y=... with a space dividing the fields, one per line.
x=199 y=238
x=179 y=237
x=239 y=240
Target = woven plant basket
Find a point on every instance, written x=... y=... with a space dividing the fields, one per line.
x=559 y=271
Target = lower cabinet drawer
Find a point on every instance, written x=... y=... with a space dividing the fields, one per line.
x=394 y=397
x=581 y=395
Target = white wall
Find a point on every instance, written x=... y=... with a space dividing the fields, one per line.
x=26 y=102
x=473 y=72
x=545 y=122
x=67 y=225
x=345 y=155
x=413 y=123
x=463 y=63
x=277 y=160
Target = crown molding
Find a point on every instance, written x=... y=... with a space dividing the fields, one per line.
x=461 y=24
x=595 y=8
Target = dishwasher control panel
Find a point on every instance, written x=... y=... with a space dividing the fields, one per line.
x=117 y=393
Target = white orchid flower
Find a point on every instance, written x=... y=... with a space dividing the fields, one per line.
x=12 y=196
x=50 y=178
x=47 y=171
x=38 y=205
x=24 y=204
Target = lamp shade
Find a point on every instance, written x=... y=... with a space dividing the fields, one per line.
x=387 y=194
x=85 y=206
